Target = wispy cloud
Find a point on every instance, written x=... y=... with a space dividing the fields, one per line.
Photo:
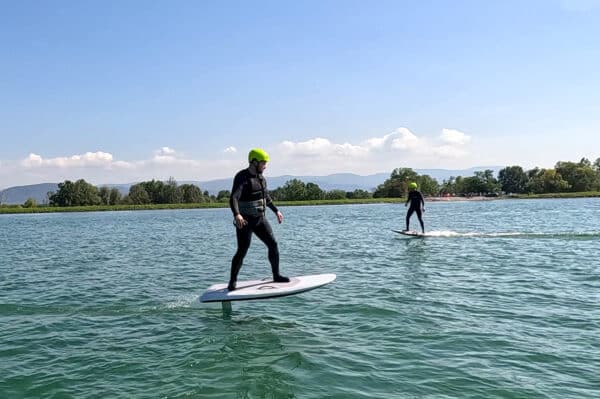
x=454 y=137
x=319 y=147
x=101 y=167
x=400 y=147
x=93 y=159
x=318 y=155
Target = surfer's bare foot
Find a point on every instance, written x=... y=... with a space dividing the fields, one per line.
x=281 y=279
x=231 y=286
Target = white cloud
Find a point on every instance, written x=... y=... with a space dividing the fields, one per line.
x=165 y=151
x=400 y=139
x=452 y=136
x=319 y=156
x=404 y=139
x=101 y=167
x=320 y=147
x=401 y=147
x=165 y=155
x=93 y=159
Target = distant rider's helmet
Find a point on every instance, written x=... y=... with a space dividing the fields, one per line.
x=258 y=155
x=413 y=185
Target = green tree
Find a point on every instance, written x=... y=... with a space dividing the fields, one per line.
x=490 y=183
x=312 y=191
x=104 y=194
x=154 y=190
x=459 y=185
x=64 y=195
x=80 y=193
x=448 y=186
x=223 y=196
x=397 y=185
x=428 y=185
x=390 y=189
x=471 y=185
x=86 y=193
x=293 y=190
x=335 y=194
x=513 y=179
x=547 y=181
x=482 y=182
x=138 y=195
x=359 y=194
x=170 y=194
x=581 y=176
x=30 y=203
x=190 y=194
x=114 y=197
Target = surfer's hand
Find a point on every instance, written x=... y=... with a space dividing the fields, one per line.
x=240 y=222
x=279 y=217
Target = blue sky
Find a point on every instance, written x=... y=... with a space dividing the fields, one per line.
x=116 y=92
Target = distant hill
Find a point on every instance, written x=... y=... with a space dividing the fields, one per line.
x=20 y=194
x=338 y=181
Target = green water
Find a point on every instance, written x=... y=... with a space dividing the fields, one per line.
x=503 y=302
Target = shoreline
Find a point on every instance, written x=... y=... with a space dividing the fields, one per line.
x=19 y=209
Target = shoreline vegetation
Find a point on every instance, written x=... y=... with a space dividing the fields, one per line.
x=16 y=209
x=565 y=180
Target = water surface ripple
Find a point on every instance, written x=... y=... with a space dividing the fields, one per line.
x=501 y=302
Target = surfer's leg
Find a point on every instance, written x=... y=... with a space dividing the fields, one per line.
x=420 y=216
x=265 y=233
x=408 y=215
x=244 y=237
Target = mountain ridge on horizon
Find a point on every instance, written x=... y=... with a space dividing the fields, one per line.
x=337 y=181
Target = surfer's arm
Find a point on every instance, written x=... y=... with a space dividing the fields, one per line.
x=270 y=203
x=236 y=194
x=268 y=200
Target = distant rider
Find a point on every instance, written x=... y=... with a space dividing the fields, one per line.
x=248 y=202
x=417 y=204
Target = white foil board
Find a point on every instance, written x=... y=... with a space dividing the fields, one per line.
x=266 y=288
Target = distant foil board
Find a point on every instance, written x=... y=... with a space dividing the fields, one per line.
x=266 y=288
x=409 y=233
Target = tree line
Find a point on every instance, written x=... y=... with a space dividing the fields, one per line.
x=565 y=177
x=82 y=193
x=297 y=190
x=579 y=176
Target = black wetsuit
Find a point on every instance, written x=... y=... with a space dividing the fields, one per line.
x=416 y=204
x=249 y=198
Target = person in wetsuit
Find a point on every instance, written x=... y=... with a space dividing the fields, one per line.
x=248 y=202
x=417 y=204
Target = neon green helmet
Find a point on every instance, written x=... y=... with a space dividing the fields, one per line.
x=258 y=154
x=413 y=185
